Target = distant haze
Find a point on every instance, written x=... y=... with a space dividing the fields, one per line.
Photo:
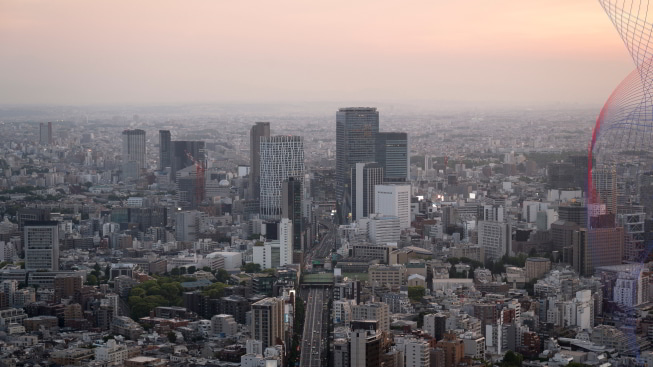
x=205 y=51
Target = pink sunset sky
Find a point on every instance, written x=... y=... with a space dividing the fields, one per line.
x=204 y=51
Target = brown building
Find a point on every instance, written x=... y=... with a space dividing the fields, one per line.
x=67 y=286
x=437 y=357
x=536 y=267
x=597 y=247
x=34 y=323
x=71 y=356
x=72 y=313
x=454 y=349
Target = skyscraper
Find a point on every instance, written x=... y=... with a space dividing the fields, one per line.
x=133 y=153
x=291 y=208
x=258 y=131
x=392 y=152
x=267 y=321
x=364 y=177
x=281 y=157
x=356 y=133
x=45 y=133
x=179 y=151
x=41 y=245
x=164 y=149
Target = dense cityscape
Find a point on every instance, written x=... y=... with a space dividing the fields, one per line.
x=351 y=238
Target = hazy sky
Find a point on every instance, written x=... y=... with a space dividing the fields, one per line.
x=159 y=51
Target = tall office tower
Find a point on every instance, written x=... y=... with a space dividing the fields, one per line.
x=392 y=152
x=604 y=180
x=42 y=245
x=45 y=133
x=282 y=157
x=181 y=152
x=365 y=348
x=291 y=208
x=267 y=321
x=133 y=153
x=364 y=178
x=341 y=356
x=597 y=247
x=495 y=238
x=490 y=212
x=574 y=212
x=394 y=200
x=165 y=149
x=258 y=131
x=356 y=134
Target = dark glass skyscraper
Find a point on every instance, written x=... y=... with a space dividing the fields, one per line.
x=291 y=208
x=357 y=129
x=164 y=149
x=179 y=154
x=258 y=131
x=392 y=153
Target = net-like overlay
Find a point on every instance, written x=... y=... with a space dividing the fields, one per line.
x=623 y=135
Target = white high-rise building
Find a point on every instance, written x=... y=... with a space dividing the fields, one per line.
x=275 y=253
x=394 y=200
x=383 y=229
x=133 y=153
x=282 y=157
x=416 y=351
x=495 y=238
x=42 y=245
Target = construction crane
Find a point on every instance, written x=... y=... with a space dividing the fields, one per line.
x=200 y=168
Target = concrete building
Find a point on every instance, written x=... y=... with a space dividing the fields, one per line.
x=415 y=351
x=41 y=245
x=378 y=311
x=495 y=238
x=276 y=253
x=365 y=348
x=364 y=178
x=384 y=275
x=536 y=267
x=224 y=325
x=383 y=229
x=291 y=208
x=112 y=352
x=267 y=321
x=394 y=200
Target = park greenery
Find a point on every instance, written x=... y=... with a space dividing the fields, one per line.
x=164 y=291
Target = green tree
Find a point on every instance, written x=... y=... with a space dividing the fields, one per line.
x=512 y=359
x=192 y=269
x=91 y=279
x=251 y=268
x=172 y=337
x=222 y=275
x=174 y=272
x=416 y=293
x=215 y=290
